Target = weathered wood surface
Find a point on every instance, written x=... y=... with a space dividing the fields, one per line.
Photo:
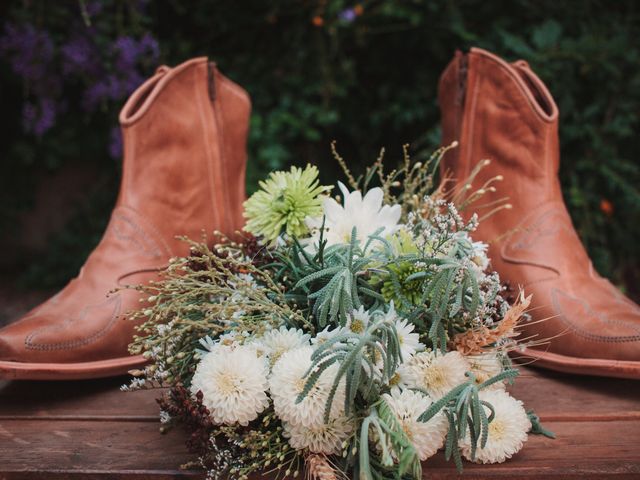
x=91 y=429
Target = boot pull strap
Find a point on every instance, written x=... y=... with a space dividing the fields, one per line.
x=522 y=64
x=211 y=77
x=162 y=69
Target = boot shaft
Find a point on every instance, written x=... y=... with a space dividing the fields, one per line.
x=501 y=112
x=184 y=134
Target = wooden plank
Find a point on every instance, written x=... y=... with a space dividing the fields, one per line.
x=554 y=396
x=130 y=449
x=91 y=429
x=99 y=399
x=581 y=450
x=563 y=397
x=65 y=448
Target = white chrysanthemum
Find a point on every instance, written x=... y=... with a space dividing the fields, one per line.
x=366 y=214
x=324 y=438
x=486 y=366
x=233 y=382
x=287 y=382
x=409 y=340
x=327 y=334
x=275 y=343
x=358 y=320
x=426 y=437
x=507 y=431
x=434 y=372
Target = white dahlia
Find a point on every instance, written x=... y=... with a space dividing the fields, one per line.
x=408 y=338
x=287 y=382
x=233 y=382
x=434 y=372
x=485 y=366
x=507 y=431
x=426 y=437
x=275 y=343
x=366 y=214
x=323 y=437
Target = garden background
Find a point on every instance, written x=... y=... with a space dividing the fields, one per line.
x=364 y=74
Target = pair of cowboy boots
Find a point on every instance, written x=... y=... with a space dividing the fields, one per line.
x=185 y=135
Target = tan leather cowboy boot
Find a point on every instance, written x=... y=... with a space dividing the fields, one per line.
x=184 y=132
x=504 y=113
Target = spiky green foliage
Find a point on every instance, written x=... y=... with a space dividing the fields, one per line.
x=397 y=458
x=332 y=281
x=449 y=288
x=367 y=362
x=465 y=413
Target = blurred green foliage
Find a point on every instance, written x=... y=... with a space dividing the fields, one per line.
x=366 y=75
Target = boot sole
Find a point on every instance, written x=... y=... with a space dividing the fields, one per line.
x=580 y=366
x=70 y=371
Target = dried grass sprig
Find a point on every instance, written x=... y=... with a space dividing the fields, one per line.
x=476 y=341
x=200 y=295
x=413 y=181
x=319 y=467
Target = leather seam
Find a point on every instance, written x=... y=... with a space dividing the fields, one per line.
x=590 y=336
x=156 y=235
x=210 y=160
x=30 y=345
x=134 y=240
x=469 y=127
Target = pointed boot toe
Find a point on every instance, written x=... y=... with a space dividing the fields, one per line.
x=184 y=133
x=503 y=112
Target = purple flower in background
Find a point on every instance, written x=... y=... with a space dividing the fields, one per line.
x=38 y=119
x=94 y=8
x=80 y=56
x=115 y=143
x=131 y=51
x=47 y=117
x=94 y=95
x=106 y=71
x=348 y=15
x=29 y=115
x=28 y=50
x=128 y=53
x=150 y=47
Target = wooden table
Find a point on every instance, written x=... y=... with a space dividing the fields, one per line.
x=91 y=429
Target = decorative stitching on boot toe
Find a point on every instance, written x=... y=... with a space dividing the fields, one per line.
x=587 y=311
x=114 y=302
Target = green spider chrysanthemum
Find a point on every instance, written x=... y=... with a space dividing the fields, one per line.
x=396 y=288
x=284 y=201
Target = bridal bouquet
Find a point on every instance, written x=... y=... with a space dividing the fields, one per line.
x=338 y=337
